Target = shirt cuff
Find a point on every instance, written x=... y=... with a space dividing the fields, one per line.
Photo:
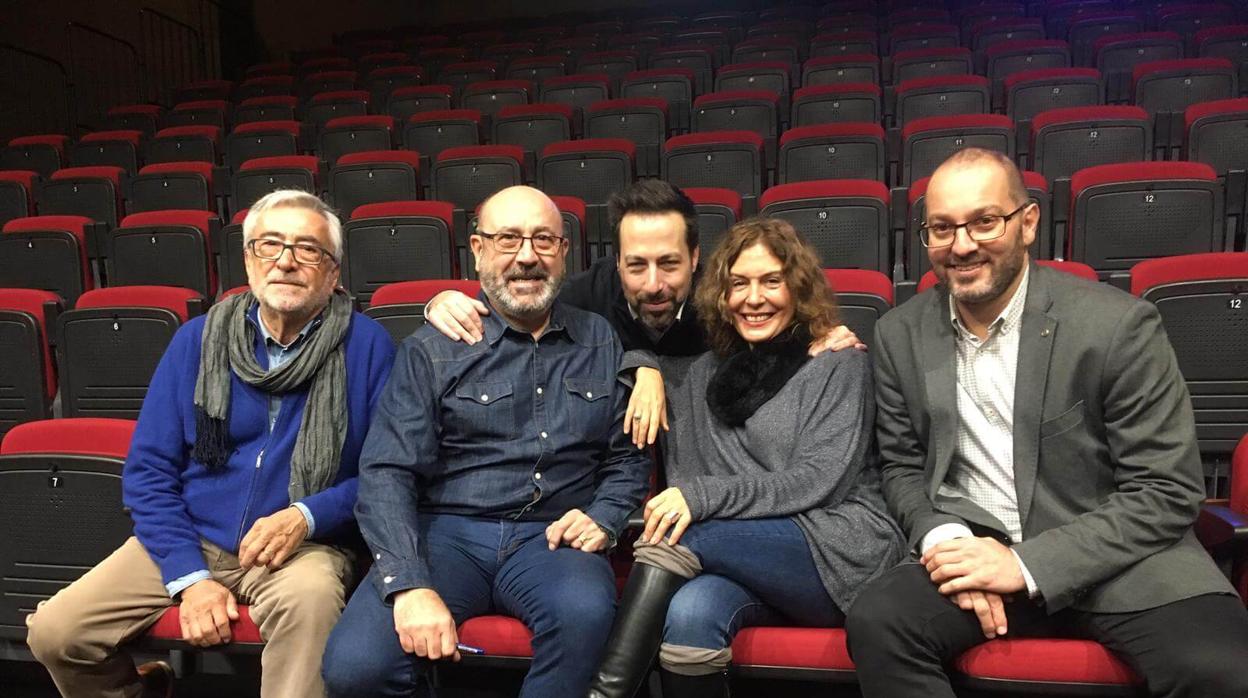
x=1033 y=591
x=307 y=516
x=180 y=584
x=942 y=533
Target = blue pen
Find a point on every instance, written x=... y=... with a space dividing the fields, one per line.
x=468 y=649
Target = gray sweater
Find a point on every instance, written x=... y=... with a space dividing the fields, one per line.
x=807 y=453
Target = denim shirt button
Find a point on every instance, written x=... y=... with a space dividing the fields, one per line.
x=537 y=476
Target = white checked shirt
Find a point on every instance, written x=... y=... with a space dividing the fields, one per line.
x=983 y=458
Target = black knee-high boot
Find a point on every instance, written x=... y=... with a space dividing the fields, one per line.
x=637 y=632
x=705 y=686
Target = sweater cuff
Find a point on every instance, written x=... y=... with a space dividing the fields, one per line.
x=179 y=563
x=635 y=359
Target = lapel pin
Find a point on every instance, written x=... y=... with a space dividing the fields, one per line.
x=1044 y=332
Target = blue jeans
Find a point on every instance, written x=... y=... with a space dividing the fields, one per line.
x=754 y=572
x=481 y=566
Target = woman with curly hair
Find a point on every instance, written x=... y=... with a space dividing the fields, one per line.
x=774 y=514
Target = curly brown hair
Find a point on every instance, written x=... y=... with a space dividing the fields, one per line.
x=814 y=302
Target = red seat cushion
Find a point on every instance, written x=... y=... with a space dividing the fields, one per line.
x=810 y=648
x=499 y=636
x=92 y=436
x=171 y=298
x=422 y=291
x=1046 y=660
x=169 y=627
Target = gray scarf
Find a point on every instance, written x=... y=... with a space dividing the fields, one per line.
x=229 y=346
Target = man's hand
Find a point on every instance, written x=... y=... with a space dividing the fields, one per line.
x=968 y=564
x=988 y=607
x=647 y=407
x=206 y=612
x=841 y=337
x=272 y=539
x=425 y=625
x=575 y=529
x=30 y=617
x=457 y=316
x=667 y=509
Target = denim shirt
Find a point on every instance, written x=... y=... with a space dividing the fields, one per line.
x=507 y=428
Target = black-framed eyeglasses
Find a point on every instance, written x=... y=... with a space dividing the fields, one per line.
x=982 y=228
x=545 y=244
x=305 y=253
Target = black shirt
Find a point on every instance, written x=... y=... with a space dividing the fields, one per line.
x=598 y=290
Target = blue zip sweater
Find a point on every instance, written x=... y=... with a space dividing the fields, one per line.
x=175 y=502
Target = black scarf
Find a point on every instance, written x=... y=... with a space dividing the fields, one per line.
x=753 y=374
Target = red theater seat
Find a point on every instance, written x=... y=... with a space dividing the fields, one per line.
x=400 y=307
x=718 y=210
x=1017 y=664
x=792 y=652
x=499 y=636
x=844 y=220
x=397 y=241
x=167 y=630
x=48 y=253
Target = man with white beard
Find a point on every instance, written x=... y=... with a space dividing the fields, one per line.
x=493 y=476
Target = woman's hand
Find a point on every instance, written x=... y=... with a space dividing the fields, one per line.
x=647 y=407
x=666 y=510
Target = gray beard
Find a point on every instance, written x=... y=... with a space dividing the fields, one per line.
x=495 y=288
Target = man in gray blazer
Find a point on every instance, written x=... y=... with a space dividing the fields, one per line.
x=1038 y=449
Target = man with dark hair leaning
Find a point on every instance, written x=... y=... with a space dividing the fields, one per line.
x=1038 y=448
x=492 y=476
x=642 y=292
x=241 y=477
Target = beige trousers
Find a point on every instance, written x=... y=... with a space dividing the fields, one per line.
x=78 y=634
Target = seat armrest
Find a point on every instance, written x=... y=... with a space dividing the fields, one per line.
x=1218 y=525
x=637 y=519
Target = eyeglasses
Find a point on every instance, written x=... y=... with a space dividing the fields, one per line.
x=981 y=229
x=307 y=254
x=544 y=244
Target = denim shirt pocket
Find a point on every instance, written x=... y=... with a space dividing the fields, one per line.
x=589 y=406
x=487 y=410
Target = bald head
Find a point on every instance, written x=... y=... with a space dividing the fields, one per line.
x=519 y=249
x=982 y=157
x=514 y=205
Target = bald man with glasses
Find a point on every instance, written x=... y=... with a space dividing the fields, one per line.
x=494 y=477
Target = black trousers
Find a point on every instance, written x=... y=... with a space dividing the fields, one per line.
x=903 y=633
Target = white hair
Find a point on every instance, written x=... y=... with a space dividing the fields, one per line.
x=295 y=198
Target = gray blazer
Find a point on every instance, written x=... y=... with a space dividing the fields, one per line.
x=1106 y=467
